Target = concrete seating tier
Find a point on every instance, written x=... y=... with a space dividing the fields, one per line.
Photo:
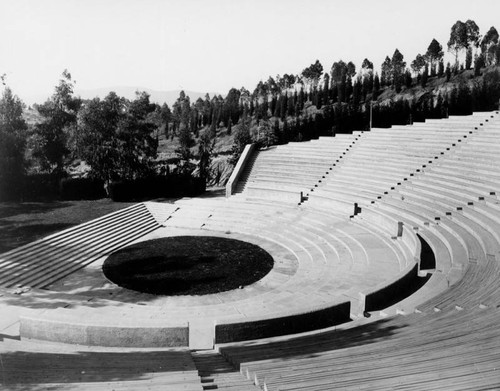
x=321 y=257
x=294 y=167
x=32 y=365
x=452 y=203
x=411 y=352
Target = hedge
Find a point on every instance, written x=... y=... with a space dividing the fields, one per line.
x=81 y=189
x=156 y=187
x=44 y=187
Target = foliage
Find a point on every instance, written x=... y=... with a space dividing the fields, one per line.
x=386 y=72
x=434 y=54
x=241 y=139
x=489 y=44
x=54 y=136
x=468 y=58
x=448 y=72
x=338 y=71
x=13 y=135
x=205 y=149
x=81 y=189
x=156 y=186
x=116 y=137
x=398 y=68
x=463 y=36
x=418 y=63
x=266 y=135
x=184 y=151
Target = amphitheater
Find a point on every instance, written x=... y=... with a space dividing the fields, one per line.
x=351 y=222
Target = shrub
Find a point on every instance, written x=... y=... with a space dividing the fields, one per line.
x=40 y=187
x=157 y=187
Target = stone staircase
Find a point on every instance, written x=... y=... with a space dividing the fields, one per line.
x=217 y=374
x=47 y=260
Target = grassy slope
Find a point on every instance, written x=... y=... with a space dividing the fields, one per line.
x=21 y=223
x=435 y=85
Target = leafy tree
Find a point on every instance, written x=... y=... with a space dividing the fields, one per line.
x=478 y=64
x=312 y=74
x=367 y=77
x=265 y=134
x=348 y=88
x=376 y=86
x=463 y=36
x=433 y=55
x=245 y=99
x=205 y=149
x=448 y=72
x=166 y=117
x=338 y=71
x=326 y=88
x=241 y=139
x=417 y=64
x=116 y=137
x=181 y=112
x=473 y=35
x=489 y=41
x=458 y=39
x=468 y=58
x=55 y=133
x=386 y=72
x=408 y=79
x=231 y=106
x=184 y=151
x=367 y=66
x=13 y=134
x=440 y=68
x=398 y=68
x=423 y=81
x=277 y=135
x=351 y=69
x=356 y=91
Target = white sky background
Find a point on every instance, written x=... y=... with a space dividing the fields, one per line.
x=212 y=45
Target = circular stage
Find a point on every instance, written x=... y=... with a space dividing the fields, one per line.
x=187 y=265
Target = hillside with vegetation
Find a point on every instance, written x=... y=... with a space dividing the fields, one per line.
x=114 y=139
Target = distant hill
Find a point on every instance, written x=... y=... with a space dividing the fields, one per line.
x=159 y=97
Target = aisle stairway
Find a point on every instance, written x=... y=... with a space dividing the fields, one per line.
x=47 y=260
x=217 y=374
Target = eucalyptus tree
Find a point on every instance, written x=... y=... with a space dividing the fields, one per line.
x=13 y=136
x=55 y=134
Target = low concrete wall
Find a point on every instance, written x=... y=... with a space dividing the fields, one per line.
x=102 y=335
x=382 y=295
x=292 y=324
x=240 y=166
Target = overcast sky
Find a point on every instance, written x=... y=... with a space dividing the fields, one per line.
x=212 y=45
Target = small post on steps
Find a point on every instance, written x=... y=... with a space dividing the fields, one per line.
x=400 y=229
x=371 y=114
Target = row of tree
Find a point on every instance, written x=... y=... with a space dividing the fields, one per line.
x=283 y=96
x=460 y=99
